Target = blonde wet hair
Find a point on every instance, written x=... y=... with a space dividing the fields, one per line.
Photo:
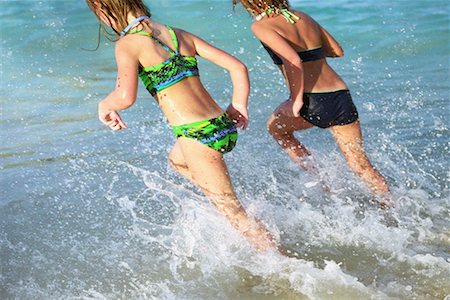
x=116 y=11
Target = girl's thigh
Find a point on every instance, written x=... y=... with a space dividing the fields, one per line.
x=348 y=137
x=280 y=122
x=207 y=167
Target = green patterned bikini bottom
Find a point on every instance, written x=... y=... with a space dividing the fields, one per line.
x=218 y=133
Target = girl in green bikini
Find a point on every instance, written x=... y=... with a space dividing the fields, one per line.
x=164 y=59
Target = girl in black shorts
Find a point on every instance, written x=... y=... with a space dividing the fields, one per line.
x=318 y=95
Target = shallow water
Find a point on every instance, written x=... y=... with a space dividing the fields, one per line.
x=86 y=213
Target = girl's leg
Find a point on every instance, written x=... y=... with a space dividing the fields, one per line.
x=282 y=129
x=350 y=141
x=206 y=168
x=177 y=161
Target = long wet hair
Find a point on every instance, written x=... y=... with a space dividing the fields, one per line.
x=256 y=7
x=116 y=11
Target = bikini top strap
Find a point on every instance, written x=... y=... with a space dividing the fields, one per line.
x=134 y=22
x=145 y=33
x=140 y=31
x=174 y=38
x=167 y=48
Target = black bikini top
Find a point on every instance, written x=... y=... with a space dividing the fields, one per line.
x=305 y=56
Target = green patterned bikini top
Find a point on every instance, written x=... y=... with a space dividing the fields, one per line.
x=174 y=69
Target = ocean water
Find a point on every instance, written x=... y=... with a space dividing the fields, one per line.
x=86 y=213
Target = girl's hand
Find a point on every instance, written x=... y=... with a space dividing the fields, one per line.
x=239 y=115
x=290 y=108
x=110 y=118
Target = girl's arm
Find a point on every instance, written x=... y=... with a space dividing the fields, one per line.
x=330 y=45
x=124 y=95
x=283 y=72
x=239 y=78
x=293 y=69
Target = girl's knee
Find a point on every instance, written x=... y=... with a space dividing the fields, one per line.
x=277 y=128
x=270 y=124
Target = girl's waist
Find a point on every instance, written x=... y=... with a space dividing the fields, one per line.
x=323 y=84
x=190 y=111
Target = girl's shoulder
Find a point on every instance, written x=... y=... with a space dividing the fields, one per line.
x=131 y=45
x=181 y=32
x=129 y=40
x=184 y=36
x=279 y=21
x=305 y=17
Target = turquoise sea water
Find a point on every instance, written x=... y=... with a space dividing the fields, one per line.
x=86 y=213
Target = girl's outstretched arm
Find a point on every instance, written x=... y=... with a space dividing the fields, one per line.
x=330 y=45
x=237 y=110
x=292 y=63
x=124 y=95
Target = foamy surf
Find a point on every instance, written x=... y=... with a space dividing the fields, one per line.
x=90 y=214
